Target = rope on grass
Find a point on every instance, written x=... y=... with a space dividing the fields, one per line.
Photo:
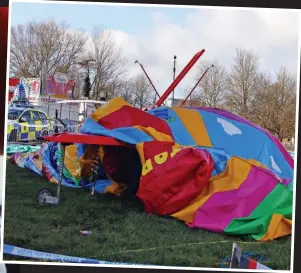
x=175 y=246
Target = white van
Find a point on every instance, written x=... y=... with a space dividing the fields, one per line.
x=84 y=108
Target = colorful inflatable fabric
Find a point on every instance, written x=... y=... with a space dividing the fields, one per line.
x=206 y=167
x=18 y=148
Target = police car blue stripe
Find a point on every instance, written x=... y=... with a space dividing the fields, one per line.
x=24 y=136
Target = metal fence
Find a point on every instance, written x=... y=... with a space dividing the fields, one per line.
x=63 y=111
x=69 y=125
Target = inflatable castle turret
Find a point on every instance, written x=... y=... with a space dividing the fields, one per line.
x=20 y=97
x=20 y=92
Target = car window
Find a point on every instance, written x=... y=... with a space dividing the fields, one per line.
x=14 y=114
x=36 y=115
x=42 y=116
x=26 y=115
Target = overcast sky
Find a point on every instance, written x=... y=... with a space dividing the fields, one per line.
x=153 y=35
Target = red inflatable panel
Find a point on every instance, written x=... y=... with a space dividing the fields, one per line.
x=170 y=186
x=84 y=139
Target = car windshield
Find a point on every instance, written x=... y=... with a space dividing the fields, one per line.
x=14 y=114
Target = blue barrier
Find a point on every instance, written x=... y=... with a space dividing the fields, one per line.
x=28 y=253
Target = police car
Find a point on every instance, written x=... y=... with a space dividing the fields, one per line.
x=26 y=124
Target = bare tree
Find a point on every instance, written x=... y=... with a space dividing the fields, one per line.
x=143 y=92
x=212 y=88
x=108 y=67
x=193 y=99
x=258 y=109
x=243 y=82
x=137 y=91
x=126 y=91
x=46 y=44
x=275 y=105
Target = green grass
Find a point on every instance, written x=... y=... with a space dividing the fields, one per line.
x=122 y=232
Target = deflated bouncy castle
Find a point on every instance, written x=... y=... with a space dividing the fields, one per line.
x=206 y=167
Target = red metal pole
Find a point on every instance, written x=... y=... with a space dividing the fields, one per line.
x=148 y=78
x=196 y=85
x=179 y=78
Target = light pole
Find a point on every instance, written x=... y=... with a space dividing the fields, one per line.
x=174 y=77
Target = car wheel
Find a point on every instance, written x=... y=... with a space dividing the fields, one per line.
x=42 y=195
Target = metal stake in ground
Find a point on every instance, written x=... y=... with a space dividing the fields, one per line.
x=45 y=196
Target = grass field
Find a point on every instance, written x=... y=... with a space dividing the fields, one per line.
x=122 y=232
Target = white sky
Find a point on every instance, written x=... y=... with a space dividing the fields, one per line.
x=273 y=35
x=154 y=35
